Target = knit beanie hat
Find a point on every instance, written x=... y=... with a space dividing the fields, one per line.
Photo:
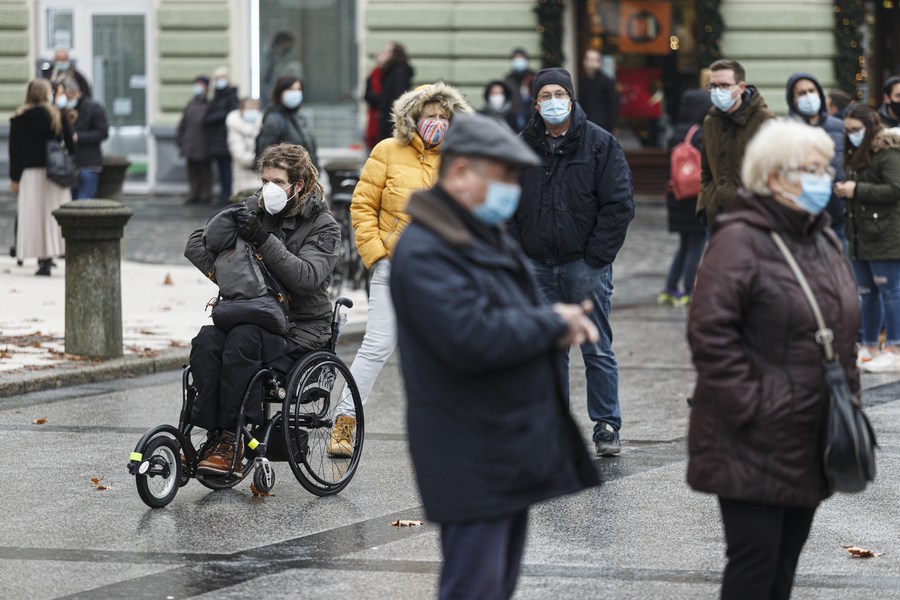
x=550 y=76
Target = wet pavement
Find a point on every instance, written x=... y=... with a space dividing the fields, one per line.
x=643 y=534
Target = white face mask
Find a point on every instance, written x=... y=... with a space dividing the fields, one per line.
x=496 y=101
x=274 y=198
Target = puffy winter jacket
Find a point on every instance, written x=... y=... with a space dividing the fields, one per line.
x=397 y=167
x=579 y=202
x=873 y=214
x=242 y=146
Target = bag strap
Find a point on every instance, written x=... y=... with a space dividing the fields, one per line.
x=690 y=134
x=824 y=336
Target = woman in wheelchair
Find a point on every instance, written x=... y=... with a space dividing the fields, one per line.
x=291 y=232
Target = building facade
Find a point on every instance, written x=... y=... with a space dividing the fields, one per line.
x=142 y=55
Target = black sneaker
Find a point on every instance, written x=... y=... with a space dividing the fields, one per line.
x=607 y=441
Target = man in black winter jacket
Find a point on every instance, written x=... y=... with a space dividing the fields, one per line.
x=571 y=222
x=224 y=100
x=91 y=128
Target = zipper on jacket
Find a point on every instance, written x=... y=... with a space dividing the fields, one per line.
x=249 y=256
x=392 y=231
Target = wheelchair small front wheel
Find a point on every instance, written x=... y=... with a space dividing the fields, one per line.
x=264 y=478
x=159 y=474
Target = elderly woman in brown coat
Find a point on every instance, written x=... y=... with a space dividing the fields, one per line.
x=760 y=402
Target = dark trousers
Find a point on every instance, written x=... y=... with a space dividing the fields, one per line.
x=482 y=559
x=764 y=544
x=199 y=180
x=685 y=262
x=222 y=364
x=223 y=168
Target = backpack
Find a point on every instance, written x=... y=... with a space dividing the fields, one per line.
x=248 y=293
x=685 y=168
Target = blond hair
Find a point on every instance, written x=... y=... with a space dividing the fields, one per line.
x=781 y=144
x=38 y=94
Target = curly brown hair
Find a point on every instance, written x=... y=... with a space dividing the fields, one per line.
x=296 y=161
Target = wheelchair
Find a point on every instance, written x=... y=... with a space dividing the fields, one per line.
x=299 y=412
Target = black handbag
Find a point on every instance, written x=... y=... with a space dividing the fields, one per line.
x=61 y=168
x=849 y=440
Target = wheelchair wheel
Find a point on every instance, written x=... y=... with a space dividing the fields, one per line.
x=315 y=388
x=158 y=483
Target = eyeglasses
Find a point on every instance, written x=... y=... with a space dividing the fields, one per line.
x=812 y=170
x=724 y=86
x=562 y=95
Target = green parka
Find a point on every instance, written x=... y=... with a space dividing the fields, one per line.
x=725 y=136
x=873 y=214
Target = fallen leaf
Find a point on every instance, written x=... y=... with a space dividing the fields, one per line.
x=5 y=353
x=857 y=552
x=168 y=280
x=35 y=344
x=100 y=487
x=406 y=523
x=95 y=480
x=258 y=492
x=39 y=421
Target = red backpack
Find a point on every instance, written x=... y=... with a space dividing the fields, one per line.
x=685 y=168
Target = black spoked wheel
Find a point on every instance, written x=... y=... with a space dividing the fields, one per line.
x=159 y=474
x=315 y=391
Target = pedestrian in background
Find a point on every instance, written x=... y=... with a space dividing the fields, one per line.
x=872 y=196
x=597 y=93
x=836 y=103
x=283 y=122
x=373 y=98
x=489 y=428
x=693 y=106
x=193 y=146
x=34 y=124
x=63 y=68
x=91 y=127
x=575 y=209
x=396 y=79
x=760 y=402
x=243 y=126
x=739 y=110
x=224 y=101
x=890 y=106
x=497 y=104
x=806 y=103
x=519 y=81
x=397 y=167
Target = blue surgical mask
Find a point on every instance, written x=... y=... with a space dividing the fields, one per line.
x=251 y=115
x=815 y=195
x=809 y=105
x=61 y=101
x=856 y=138
x=519 y=64
x=500 y=203
x=62 y=66
x=721 y=99
x=199 y=90
x=292 y=98
x=221 y=84
x=555 y=111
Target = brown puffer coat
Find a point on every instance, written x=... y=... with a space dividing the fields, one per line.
x=759 y=404
x=725 y=137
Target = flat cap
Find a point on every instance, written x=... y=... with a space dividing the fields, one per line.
x=478 y=135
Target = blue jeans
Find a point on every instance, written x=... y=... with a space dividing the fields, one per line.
x=87 y=185
x=685 y=262
x=572 y=283
x=879 y=299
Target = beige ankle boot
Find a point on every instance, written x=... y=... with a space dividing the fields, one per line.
x=341 y=442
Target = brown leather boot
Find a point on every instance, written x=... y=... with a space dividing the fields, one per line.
x=218 y=461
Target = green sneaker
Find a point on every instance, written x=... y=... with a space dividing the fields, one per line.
x=683 y=300
x=666 y=297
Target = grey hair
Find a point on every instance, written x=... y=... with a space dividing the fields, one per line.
x=71 y=84
x=780 y=144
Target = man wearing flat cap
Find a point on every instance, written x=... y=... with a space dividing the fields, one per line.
x=576 y=205
x=489 y=428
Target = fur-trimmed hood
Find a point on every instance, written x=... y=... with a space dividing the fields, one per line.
x=408 y=107
x=887 y=139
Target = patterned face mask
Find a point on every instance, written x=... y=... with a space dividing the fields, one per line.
x=432 y=130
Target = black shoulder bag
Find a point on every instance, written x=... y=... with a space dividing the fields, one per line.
x=849 y=443
x=61 y=168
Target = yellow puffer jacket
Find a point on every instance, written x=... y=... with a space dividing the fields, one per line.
x=397 y=167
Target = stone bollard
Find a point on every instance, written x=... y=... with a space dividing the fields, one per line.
x=93 y=232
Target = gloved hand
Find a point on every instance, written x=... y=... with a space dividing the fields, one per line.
x=248 y=227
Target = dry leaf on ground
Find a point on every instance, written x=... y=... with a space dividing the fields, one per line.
x=39 y=421
x=258 y=492
x=168 y=280
x=5 y=353
x=97 y=481
x=406 y=523
x=857 y=552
